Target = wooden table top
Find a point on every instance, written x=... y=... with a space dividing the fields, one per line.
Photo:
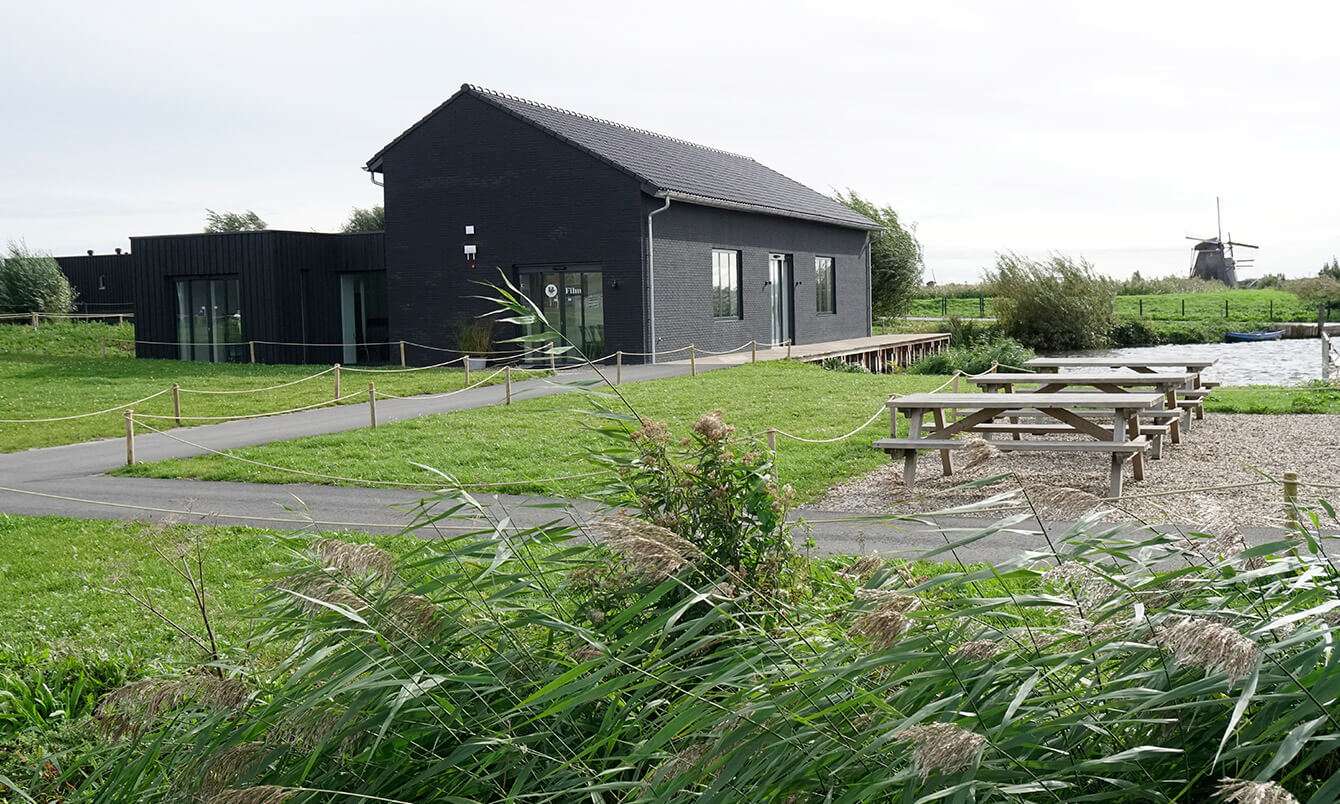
x=1117 y=362
x=1007 y=401
x=1084 y=377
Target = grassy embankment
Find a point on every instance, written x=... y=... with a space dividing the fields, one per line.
x=58 y=370
x=1242 y=305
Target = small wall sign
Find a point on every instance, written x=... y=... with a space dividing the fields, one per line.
x=551 y=291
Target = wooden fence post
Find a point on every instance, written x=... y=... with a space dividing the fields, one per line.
x=251 y=348
x=507 y=381
x=36 y=320
x=402 y=354
x=1225 y=308
x=618 y=367
x=788 y=348
x=1183 y=309
x=753 y=351
x=337 y=381
x=372 y=404
x=1291 y=498
x=465 y=363
x=176 y=403
x=130 y=437
x=693 y=360
x=772 y=440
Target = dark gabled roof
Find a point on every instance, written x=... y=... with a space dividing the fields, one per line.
x=671 y=167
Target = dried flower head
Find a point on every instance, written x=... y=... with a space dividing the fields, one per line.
x=651 y=433
x=862 y=568
x=355 y=559
x=976 y=452
x=264 y=794
x=227 y=766
x=942 y=747
x=1196 y=642
x=303 y=730
x=326 y=590
x=1080 y=581
x=888 y=620
x=712 y=427
x=680 y=762
x=888 y=599
x=978 y=650
x=1242 y=791
x=416 y=615
x=652 y=552
x=134 y=707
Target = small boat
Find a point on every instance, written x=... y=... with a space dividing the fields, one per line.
x=1248 y=337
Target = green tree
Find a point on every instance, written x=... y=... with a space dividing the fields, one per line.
x=32 y=282
x=895 y=256
x=1331 y=269
x=369 y=219
x=216 y=222
x=1056 y=304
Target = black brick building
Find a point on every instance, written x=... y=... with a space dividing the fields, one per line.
x=628 y=238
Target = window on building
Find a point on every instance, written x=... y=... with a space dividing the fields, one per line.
x=726 y=284
x=825 y=286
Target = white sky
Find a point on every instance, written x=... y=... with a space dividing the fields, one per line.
x=1098 y=129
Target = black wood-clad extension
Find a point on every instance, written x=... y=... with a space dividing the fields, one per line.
x=289 y=284
x=103 y=283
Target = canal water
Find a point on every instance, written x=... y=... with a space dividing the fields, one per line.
x=1284 y=362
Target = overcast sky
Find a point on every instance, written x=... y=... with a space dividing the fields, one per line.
x=1096 y=129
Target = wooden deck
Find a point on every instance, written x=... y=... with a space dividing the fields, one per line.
x=878 y=353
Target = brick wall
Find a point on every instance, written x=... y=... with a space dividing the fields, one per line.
x=685 y=236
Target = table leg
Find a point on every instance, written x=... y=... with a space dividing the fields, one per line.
x=1009 y=389
x=945 y=461
x=1118 y=436
x=910 y=456
x=1133 y=431
x=893 y=430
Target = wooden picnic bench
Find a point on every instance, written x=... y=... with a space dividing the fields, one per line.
x=1193 y=402
x=1170 y=385
x=1121 y=440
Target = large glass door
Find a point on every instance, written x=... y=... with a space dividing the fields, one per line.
x=574 y=304
x=363 y=318
x=779 y=296
x=209 y=320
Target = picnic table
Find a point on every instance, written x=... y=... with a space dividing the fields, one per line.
x=1165 y=421
x=1121 y=439
x=1194 y=395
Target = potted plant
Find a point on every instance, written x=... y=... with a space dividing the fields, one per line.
x=474 y=337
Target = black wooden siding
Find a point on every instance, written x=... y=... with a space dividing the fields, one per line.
x=103 y=283
x=288 y=281
x=533 y=199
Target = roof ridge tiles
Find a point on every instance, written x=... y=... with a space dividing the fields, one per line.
x=539 y=104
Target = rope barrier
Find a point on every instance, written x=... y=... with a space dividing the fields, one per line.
x=363 y=480
x=86 y=415
x=401 y=370
x=476 y=384
x=323 y=403
x=258 y=390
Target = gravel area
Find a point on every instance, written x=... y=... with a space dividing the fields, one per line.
x=1221 y=449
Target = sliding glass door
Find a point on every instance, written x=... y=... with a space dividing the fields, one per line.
x=209 y=320
x=363 y=317
x=574 y=303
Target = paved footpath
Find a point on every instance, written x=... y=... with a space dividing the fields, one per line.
x=71 y=481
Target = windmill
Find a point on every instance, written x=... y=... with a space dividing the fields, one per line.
x=1214 y=255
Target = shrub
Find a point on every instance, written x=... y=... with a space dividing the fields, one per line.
x=365 y=219
x=967 y=332
x=474 y=336
x=1316 y=290
x=1136 y=285
x=1133 y=332
x=974 y=359
x=895 y=256
x=838 y=364
x=1057 y=304
x=32 y=282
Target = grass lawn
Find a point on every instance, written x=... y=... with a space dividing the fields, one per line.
x=1274 y=399
x=59 y=579
x=58 y=370
x=545 y=438
x=1243 y=305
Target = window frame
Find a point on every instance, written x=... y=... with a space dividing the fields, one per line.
x=735 y=288
x=832 y=286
